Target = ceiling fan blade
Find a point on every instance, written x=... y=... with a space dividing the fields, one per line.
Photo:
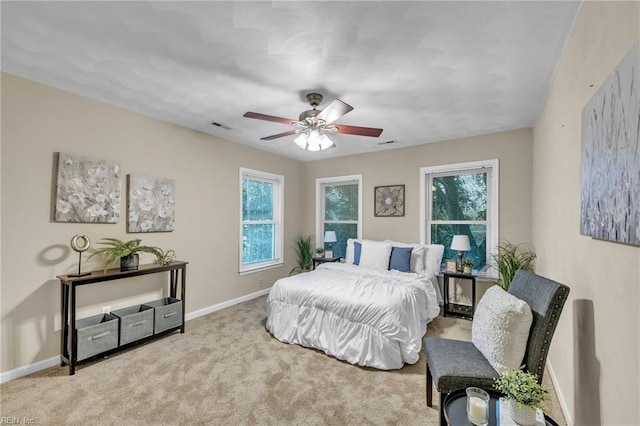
x=279 y=135
x=266 y=117
x=355 y=130
x=333 y=111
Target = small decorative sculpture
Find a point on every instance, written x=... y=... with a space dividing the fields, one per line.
x=80 y=243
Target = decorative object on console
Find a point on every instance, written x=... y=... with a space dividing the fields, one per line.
x=523 y=393
x=87 y=190
x=151 y=204
x=389 y=201
x=319 y=252
x=80 y=243
x=461 y=244
x=164 y=257
x=329 y=238
x=127 y=252
x=610 y=145
x=512 y=257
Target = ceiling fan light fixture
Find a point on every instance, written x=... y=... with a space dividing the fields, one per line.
x=325 y=142
x=313 y=141
x=301 y=140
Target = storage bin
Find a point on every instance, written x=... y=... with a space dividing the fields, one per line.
x=167 y=313
x=136 y=322
x=95 y=335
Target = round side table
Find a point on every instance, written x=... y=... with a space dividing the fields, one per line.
x=455 y=409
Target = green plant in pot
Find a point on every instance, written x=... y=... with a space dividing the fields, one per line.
x=512 y=257
x=467 y=266
x=304 y=249
x=126 y=252
x=319 y=252
x=523 y=395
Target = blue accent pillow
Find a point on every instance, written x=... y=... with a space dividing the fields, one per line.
x=400 y=259
x=357 y=250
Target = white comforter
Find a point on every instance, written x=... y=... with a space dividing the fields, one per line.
x=363 y=316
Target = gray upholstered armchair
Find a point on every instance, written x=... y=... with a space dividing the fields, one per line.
x=455 y=364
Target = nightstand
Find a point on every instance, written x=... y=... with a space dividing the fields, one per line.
x=319 y=260
x=456 y=309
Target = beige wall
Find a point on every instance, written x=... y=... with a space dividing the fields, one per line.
x=595 y=353
x=402 y=166
x=36 y=122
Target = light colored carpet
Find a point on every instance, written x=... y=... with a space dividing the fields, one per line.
x=227 y=369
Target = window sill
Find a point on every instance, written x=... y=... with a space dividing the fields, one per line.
x=261 y=268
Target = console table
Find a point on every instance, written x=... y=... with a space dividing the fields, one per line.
x=68 y=352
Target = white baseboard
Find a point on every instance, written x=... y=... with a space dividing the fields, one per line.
x=25 y=370
x=228 y=303
x=55 y=360
x=560 y=395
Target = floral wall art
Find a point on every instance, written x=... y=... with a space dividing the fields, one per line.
x=87 y=190
x=610 y=207
x=151 y=205
x=389 y=201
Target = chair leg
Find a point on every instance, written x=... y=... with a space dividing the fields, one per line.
x=443 y=420
x=429 y=388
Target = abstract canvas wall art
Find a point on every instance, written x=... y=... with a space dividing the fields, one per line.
x=151 y=204
x=610 y=208
x=87 y=190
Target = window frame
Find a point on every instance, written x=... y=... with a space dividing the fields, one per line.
x=278 y=220
x=321 y=183
x=492 y=221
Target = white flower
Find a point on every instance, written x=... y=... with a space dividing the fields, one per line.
x=146 y=203
x=146 y=225
x=97 y=210
x=164 y=212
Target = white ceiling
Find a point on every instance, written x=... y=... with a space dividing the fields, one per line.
x=422 y=71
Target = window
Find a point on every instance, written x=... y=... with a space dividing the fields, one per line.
x=260 y=220
x=339 y=203
x=461 y=199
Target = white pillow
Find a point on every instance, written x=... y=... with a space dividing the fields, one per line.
x=375 y=254
x=417 y=255
x=500 y=329
x=348 y=257
x=433 y=257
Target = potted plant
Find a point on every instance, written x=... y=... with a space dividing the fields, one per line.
x=127 y=252
x=523 y=395
x=319 y=253
x=304 y=248
x=467 y=266
x=512 y=257
x=164 y=257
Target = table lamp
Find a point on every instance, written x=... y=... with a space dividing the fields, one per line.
x=460 y=243
x=329 y=237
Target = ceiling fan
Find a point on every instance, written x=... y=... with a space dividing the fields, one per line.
x=313 y=125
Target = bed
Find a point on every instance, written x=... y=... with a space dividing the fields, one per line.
x=360 y=311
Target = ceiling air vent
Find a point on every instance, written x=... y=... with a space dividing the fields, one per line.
x=387 y=142
x=215 y=123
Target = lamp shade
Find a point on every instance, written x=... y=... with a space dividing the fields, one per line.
x=330 y=237
x=460 y=243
